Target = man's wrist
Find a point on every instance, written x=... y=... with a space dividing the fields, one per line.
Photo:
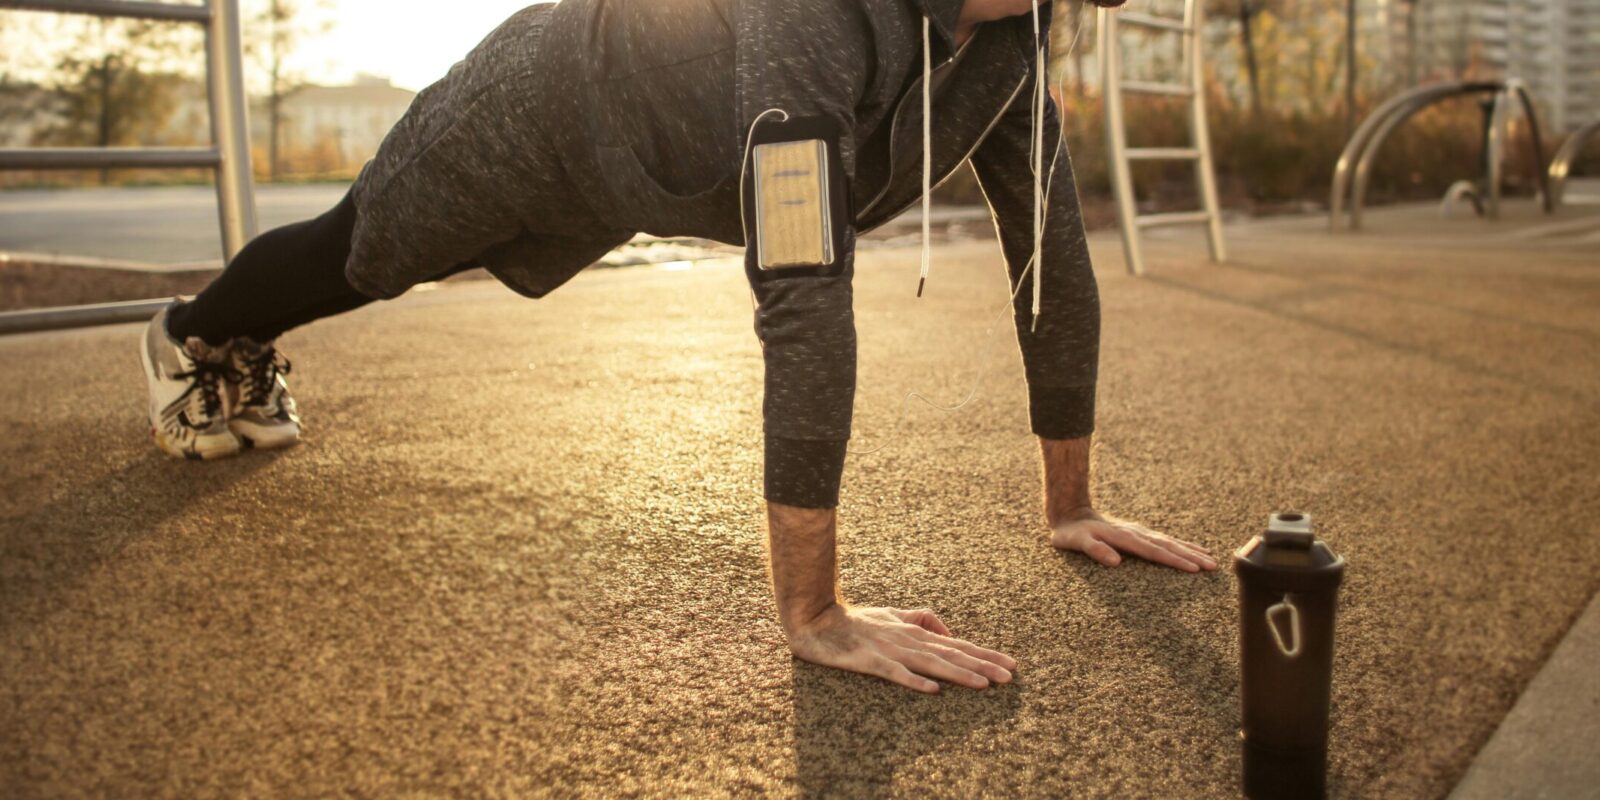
x=799 y=617
x=804 y=564
x=1077 y=514
x=1066 y=479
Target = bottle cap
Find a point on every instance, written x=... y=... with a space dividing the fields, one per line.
x=1290 y=529
x=1289 y=556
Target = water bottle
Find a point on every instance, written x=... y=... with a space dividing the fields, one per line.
x=1288 y=584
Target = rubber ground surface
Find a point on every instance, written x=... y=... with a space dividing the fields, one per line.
x=520 y=549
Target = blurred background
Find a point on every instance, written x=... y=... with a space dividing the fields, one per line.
x=328 y=79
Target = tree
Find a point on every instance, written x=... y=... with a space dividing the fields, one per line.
x=286 y=24
x=111 y=86
x=1246 y=11
x=1350 y=61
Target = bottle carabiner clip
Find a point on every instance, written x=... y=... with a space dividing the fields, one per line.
x=1296 y=639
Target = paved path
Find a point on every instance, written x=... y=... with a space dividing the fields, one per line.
x=521 y=545
x=170 y=226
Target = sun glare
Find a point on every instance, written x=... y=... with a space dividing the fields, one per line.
x=410 y=45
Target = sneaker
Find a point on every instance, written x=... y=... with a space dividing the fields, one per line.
x=188 y=403
x=264 y=414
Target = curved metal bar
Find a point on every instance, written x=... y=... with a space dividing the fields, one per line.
x=1369 y=154
x=1498 y=132
x=1358 y=140
x=1538 y=147
x=1494 y=159
x=1561 y=165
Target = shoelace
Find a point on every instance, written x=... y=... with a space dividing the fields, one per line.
x=264 y=369
x=205 y=382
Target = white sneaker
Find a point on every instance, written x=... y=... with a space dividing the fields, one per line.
x=263 y=413
x=188 y=401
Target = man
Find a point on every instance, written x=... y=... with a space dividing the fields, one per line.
x=784 y=124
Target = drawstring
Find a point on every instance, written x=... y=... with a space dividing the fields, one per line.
x=927 y=150
x=1004 y=310
x=1037 y=159
x=1038 y=171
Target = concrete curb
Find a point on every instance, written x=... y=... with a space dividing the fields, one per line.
x=1545 y=748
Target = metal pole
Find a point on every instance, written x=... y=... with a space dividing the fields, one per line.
x=1116 y=137
x=1536 y=141
x=49 y=319
x=1200 y=130
x=107 y=157
x=129 y=9
x=230 y=127
x=1498 y=123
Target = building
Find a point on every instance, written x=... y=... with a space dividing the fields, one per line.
x=351 y=120
x=1552 y=46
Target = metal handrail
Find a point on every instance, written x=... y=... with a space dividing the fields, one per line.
x=1363 y=133
x=229 y=155
x=1561 y=165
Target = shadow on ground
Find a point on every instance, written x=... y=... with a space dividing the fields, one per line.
x=850 y=742
x=47 y=551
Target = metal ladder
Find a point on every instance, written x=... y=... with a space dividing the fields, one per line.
x=1193 y=87
x=228 y=156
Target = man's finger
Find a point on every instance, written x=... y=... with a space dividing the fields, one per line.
x=896 y=672
x=1150 y=551
x=1190 y=546
x=992 y=656
x=986 y=668
x=1199 y=557
x=1191 y=551
x=1102 y=552
x=933 y=666
x=927 y=620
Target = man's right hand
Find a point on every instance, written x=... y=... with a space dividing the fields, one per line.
x=906 y=647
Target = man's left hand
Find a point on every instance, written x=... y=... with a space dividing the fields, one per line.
x=1104 y=539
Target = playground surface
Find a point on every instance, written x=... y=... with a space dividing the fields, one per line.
x=520 y=551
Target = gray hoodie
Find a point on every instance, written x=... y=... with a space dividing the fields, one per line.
x=647 y=104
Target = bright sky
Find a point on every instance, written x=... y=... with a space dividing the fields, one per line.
x=414 y=44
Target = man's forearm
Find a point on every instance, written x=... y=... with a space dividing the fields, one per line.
x=805 y=564
x=1066 y=477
